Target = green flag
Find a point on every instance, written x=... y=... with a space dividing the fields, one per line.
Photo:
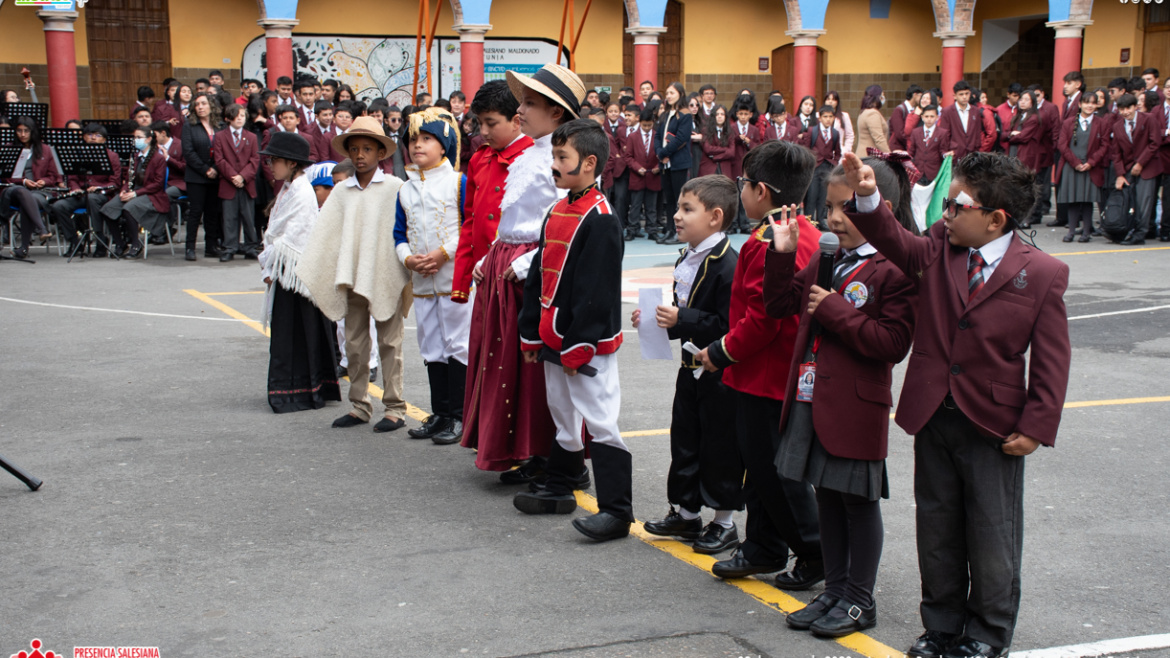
x=942 y=186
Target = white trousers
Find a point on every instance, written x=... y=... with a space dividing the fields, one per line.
x=443 y=328
x=341 y=344
x=595 y=401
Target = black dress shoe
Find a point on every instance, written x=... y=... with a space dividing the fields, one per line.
x=453 y=433
x=674 y=525
x=373 y=374
x=1164 y=238
x=342 y=371
x=737 y=566
x=803 y=575
x=969 y=648
x=101 y=252
x=802 y=619
x=602 y=526
x=628 y=236
x=1131 y=241
x=389 y=424
x=20 y=254
x=1097 y=233
x=132 y=253
x=844 y=619
x=251 y=255
x=716 y=539
x=931 y=644
x=639 y=234
x=349 y=420
x=1056 y=222
x=527 y=472
x=210 y=253
x=226 y=256
x=543 y=502
x=579 y=483
x=430 y=427
x=1068 y=237
x=1084 y=238
x=190 y=255
x=671 y=240
x=156 y=240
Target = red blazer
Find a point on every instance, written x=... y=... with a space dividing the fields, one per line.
x=43 y=169
x=486 y=175
x=857 y=351
x=928 y=156
x=974 y=348
x=153 y=182
x=636 y=157
x=1029 y=141
x=323 y=144
x=1143 y=149
x=757 y=346
x=1005 y=113
x=970 y=140
x=897 y=127
x=1049 y=134
x=718 y=159
x=230 y=161
x=100 y=180
x=825 y=152
x=791 y=131
x=1098 y=157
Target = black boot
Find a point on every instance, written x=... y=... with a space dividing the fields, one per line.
x=456 y=383
x=438 y=420
x=614 y=473
x=556 y=497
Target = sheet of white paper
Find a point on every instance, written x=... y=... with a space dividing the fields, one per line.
x=653 y=339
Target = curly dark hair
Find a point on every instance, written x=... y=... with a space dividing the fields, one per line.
x=999 y=181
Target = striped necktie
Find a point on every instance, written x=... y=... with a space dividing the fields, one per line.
x=975 y=267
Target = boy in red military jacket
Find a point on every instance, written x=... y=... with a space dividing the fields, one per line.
x=975 y=406
x=781 y=514
x=571 y=319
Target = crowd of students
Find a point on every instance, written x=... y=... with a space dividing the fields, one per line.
x=508 y=247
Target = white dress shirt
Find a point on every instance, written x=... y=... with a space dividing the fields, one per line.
x=685 y=271
x=992 y=254
x=379 y=176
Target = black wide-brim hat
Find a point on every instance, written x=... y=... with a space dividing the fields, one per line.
x=289 y=146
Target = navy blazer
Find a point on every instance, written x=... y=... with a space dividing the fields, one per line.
x=678 y=131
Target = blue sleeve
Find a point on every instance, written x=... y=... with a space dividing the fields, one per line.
x=462 y=197
x=400 y=224
x=681 y=137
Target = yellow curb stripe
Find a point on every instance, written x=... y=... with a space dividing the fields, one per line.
x=1109 y=251
x=244 y=292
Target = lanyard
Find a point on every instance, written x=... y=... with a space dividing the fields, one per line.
x=844 y=284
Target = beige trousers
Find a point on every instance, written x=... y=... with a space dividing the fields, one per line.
x=357 y=350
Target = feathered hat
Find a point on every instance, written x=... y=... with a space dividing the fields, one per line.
x=440 y=124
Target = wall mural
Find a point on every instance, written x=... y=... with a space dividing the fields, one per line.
x=384 y=66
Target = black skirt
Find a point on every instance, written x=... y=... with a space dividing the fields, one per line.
x=302 y=365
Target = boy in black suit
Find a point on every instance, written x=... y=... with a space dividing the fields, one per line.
x=705 y=468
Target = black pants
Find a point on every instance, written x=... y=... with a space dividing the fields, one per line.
x=70 y=224
x=1164 y=185
x=1142 y=197
x=619 y=198
x=970 y=515
x=851 y=540
x=1080 y=213
x=781 y=513
x=705 y=468
x=205 y=205
x=31 y=205
x=672 y=184
x=818 y=190
x=1044 y=203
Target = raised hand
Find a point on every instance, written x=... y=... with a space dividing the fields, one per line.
x=786 y=232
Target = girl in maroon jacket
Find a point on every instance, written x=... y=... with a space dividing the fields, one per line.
x=143 y=200
x=1024 y=133
x=1084 y=151
x=719 y=149
x=36 y=169
x=836 y=410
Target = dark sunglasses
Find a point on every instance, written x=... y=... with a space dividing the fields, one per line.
x=951 y=207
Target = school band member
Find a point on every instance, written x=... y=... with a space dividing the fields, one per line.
x=1084 y=151
x=172 y=150
x=898 y=116
x=36 y=169
x=202 y=177
x=965 y=124
x=984 y=295
x=237 y=159
x=1136 y=163
x=927 y=145
x=143 y=200
x=871 y=127
x=835 y=422
x=705 y=467
x=825 y=143
x=672 y=140
x=645 y=183
x=841 y=122
x=97 y=194
x=781 y=513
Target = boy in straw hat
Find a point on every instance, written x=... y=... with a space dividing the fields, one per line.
x=547 y=100
x=351 y=270
x=426 y=237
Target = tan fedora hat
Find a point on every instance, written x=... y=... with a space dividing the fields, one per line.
x=554 y=82
x=365 y=127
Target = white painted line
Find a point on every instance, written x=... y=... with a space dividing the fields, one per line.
x=1103 y=648
x=118 y=310
x=1132 y=310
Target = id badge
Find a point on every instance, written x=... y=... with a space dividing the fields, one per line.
x=806 y=381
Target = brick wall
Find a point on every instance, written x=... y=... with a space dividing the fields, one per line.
x=10 y=78
x=729 y=85
x=1100 y=77
x=188 y=76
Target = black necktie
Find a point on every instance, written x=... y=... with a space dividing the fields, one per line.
x=844 y=267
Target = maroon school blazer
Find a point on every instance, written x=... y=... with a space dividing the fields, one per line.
x=230 y=161
x=1098 y=156
x=928 y=156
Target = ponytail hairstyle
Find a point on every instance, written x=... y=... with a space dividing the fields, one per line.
x=893 y=182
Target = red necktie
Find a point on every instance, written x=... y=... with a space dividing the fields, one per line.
x=975 y=274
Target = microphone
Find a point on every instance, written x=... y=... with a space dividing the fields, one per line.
x=829 y=244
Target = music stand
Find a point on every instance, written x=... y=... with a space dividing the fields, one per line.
x=61 y=137
x=9 y=155
x=85 y=160
x=7 y=135
x=39 y=112
x=123 y=145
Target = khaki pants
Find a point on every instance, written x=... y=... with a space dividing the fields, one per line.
x=357 y=350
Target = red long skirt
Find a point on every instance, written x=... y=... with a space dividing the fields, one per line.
x=505 y=411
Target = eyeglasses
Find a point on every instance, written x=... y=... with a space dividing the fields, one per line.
x=741 y=180
x=952 y=206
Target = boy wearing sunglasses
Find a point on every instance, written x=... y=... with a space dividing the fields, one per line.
x=973 y=404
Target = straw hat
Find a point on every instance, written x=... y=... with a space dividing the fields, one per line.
x=554 y=82
x=365 y=127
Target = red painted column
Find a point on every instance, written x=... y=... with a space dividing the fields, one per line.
x=61 y=55
x=471 y=69
x=804 y=63
x=1067 y=56
x=278 y=47
x=953 y=47
x=645 y=54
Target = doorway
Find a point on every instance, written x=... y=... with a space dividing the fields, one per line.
x=129 y=46
x=782 y=74
x=670 y=49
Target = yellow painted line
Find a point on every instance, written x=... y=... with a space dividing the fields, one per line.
x=245 y=292
x=411 y=410
x=627 y=435
x=1109 y=251
x=755 y=588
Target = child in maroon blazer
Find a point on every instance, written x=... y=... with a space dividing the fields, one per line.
x=848 y=342
x=781 y=514
x=825 y=143
x=1084 y=150
x=237 y=158
x=746 y=136
x=927 y=145
x=1025 y=132
x=1136 y=139
x=718 y=146
x=975 y=405
x=642 y=162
